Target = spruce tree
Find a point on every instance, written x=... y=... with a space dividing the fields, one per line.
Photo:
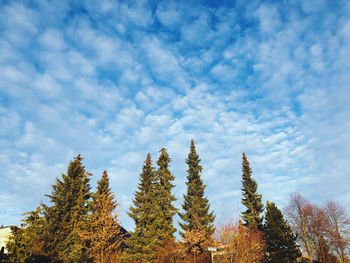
x=143 y=240
x=281 y=242
x=251 y=199
x=164 y=199
x=26 y=243
x=68 y=212
x=196 y=214
x=101 y=234
x=19 y=245
x=103 y=191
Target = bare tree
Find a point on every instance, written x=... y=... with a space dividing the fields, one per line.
x=298 y=213
x=318 y=227
x=338 y=232
x=240 y=244
x=309 y=222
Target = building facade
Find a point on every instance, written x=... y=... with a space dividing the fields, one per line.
x=5 y=233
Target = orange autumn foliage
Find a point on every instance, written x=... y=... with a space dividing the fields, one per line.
x=102 y=235
x=239 y=244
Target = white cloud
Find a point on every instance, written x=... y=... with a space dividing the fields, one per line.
x=164 y=65
x=197 y=31
x=169 y=17
x=224 y=73
x=10 y=123
x=269 y=18
x=52 y=39
x=138 y=13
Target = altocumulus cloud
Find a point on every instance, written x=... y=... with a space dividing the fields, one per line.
x=115 y=80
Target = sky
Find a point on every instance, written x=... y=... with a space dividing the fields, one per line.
x=115 y=80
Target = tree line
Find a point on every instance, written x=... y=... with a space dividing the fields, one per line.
x=80 y=225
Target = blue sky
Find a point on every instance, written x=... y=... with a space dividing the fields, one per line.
x=114 y=80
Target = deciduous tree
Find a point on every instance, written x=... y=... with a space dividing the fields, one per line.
x=170 y=252
x=239 y=244
x=338 y=232
x=323 y=253
x=308 y=221
x=196 y=243
x=298 y=213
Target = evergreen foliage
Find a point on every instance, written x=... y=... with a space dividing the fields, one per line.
x=26 y=244
x=102 y=233
x=164 y=198
x=19 y=245
x=144 y=239
x=251 y=199
x=281 y=242
x=74 y=229
x=196 y=214
x=67 y=214
x=103 y=192
x=103 y=189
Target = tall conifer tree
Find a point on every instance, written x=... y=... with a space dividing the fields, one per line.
x=251 y=199
x=196 y=214
x=102 y=233
x=68 y=212
x=164 y=198
x=104 y=191
x=144 y=239
x=281 y=242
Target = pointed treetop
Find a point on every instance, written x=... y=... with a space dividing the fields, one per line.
x=251 y=199
x=244 y=157
x=196 y=215
x=164 y=158
x=103 y=184
x=163 y=151
x=78 y=158
x=148 y=159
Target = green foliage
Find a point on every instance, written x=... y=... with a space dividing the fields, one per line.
x=196 y=214
x=67 y=214
x=19 y=245
x=103 y=189
x=142 y=242
x=164 y=198
x=25 y=243
x=103 y=192
x=251 y=199
x=152 y=211
x=281 y=242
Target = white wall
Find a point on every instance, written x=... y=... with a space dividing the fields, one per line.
x=5 y=233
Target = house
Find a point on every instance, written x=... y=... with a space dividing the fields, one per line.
x=5 y=233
